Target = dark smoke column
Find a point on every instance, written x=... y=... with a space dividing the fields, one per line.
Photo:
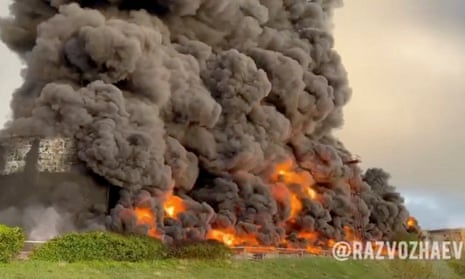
x=202 y=99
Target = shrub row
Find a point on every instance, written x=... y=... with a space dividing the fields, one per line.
x=99 y=246
x=107 y=246
x=11 y=242
x=206 y=250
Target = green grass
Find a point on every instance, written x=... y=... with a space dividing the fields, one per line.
x=312 y=268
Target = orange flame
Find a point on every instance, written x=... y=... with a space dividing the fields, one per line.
x=296 y=206
x=231 y=238
x=314 y=250
x=290 y=185
x=350 y=235
x=173 y=206
x=314 y=245
x=222 y=236
x=311 y=193
x=411 y=223
x=285 y=172
x=145 y=217
x=311 y=236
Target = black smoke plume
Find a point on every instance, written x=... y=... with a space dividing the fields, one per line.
x=203 y=99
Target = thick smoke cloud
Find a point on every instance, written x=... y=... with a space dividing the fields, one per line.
x=202 y=98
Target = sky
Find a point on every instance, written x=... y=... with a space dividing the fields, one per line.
x=406 y=67
x=10 y=77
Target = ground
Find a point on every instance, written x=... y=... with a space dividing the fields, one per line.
x=314 y=268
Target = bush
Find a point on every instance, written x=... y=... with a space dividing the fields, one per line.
x=99 y=246
x=208 y=249
x=11 y=242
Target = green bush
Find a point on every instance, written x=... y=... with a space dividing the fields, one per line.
x=99 y=246
x=11 y=242
x=208 y=249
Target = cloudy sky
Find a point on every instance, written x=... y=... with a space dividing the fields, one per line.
x=406 y=66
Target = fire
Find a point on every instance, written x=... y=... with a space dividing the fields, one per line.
x=350 y=235
x=231 y=238
x=289 y=185
x=311 y=193
x=412 y=223
x=312 y=236
x=222 y=236
x=145 y=217
x=314 y=250
x=173 y=206
x=286 y=173
x=296 y=206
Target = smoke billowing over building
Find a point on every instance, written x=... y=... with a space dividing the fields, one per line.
x=193 y=119
x=46 y=190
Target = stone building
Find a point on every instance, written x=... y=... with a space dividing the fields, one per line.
x=457 y=234
x=40 y=176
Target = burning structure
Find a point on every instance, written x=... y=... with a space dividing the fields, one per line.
x=212 y=117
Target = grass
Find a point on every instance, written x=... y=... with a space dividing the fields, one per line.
x=312 y=268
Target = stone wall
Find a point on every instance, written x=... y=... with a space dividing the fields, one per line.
x=43 y=154
x=447 y=235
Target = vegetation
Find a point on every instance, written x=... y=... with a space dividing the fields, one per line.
x=409 y=269
x=105 y=246
x=315 y=268
x=311 y=267
x=458 y=266
x=11 y=242
x=109 y=255
x=99 y=246
x=203 y=250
